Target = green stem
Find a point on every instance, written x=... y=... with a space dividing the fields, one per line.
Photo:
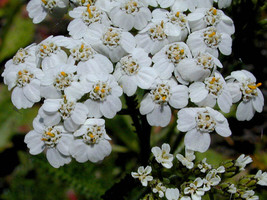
x=142 y=128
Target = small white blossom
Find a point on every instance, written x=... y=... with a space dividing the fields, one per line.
x=210 y=40
x=134 y=70
x=163 y=155
x=54 y=139
x=84 y=17
x=197 y=68
x=242 y=161
x=249 y=195
x=111 y=42
x=92 y=142
x=204 y=166
x=38 y=9
x=243 y=85
x=232 y=189
x=187 y=160
x=166 y=60
x=213 y=89
x=195 y=190
x=172 y=193
x=204 y=17
x=155 y=105
x=199 y=123
x=104 y=95
x=261 y=178
x=143 y=174
x=130 y=14
x=211 y=179
x=160 y=188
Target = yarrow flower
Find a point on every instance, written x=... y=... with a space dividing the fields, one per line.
x=242 y=161
x=172 y=193
x=143 y=174
x=261 y=178
x=199 y=123
x=195 y=189
x=187 y=159
x=163 y=155
x=92 y=142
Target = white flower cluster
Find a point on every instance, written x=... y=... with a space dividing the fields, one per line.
x=154 y=45
x=190 y=190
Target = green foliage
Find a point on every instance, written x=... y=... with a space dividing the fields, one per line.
x=13 y=121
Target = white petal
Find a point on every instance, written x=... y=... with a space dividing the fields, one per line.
x=197 y=141
x=110 y=106
x=55 y=158
x=160 y=116
x=147 y=105
x=19 y=100
x=64 y=144
x=186 y=119
x=245 y=111
x=93 y=108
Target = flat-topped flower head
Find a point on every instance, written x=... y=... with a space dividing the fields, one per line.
x=38 y=9
x=243 y=85
x=143 y=174
x=134 y=70
x=197 y=68
x=130 y=14
x=84 y=17
x=210 y=40
x=195 y=189
x=163 y=155
x=212 y=90
x=71 y=112
x=111 y=42
x=54 y=139
x=92 y=142
x=169 y=57
x=103 y=92
x=187 y=159
x=155 y=104
x=199 y=123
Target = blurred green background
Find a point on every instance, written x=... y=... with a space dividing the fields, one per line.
x=26 y=177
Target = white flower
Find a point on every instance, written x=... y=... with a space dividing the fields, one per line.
x=130 y=14
x=242 y=161
x=210 y=40
x=203 y=17
x=84 y=17
x=187 y=160
x=73 y=113
x=194 y=189
x=163 y=155
x=204 y=166
x=26 y=83
x=38 y=9
x=169 y=57
x=54 y=139
x=143 y=174
x=49 y=52
x=212 y=90
x=232 y=189
x=91 y=142
x=134 y=70
x=249 y=195
x=261 y=177
x=155 y=104
x=160 y=188
x=104 y=93
x=62 y=79
x=172 y=193
x=176 y=23
x=111 y=42
x=252 y=97
x=197 y=68
x=211 y=179
x=23 y=56
x=199 y=123
x=184 y=5
x=153 y=37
